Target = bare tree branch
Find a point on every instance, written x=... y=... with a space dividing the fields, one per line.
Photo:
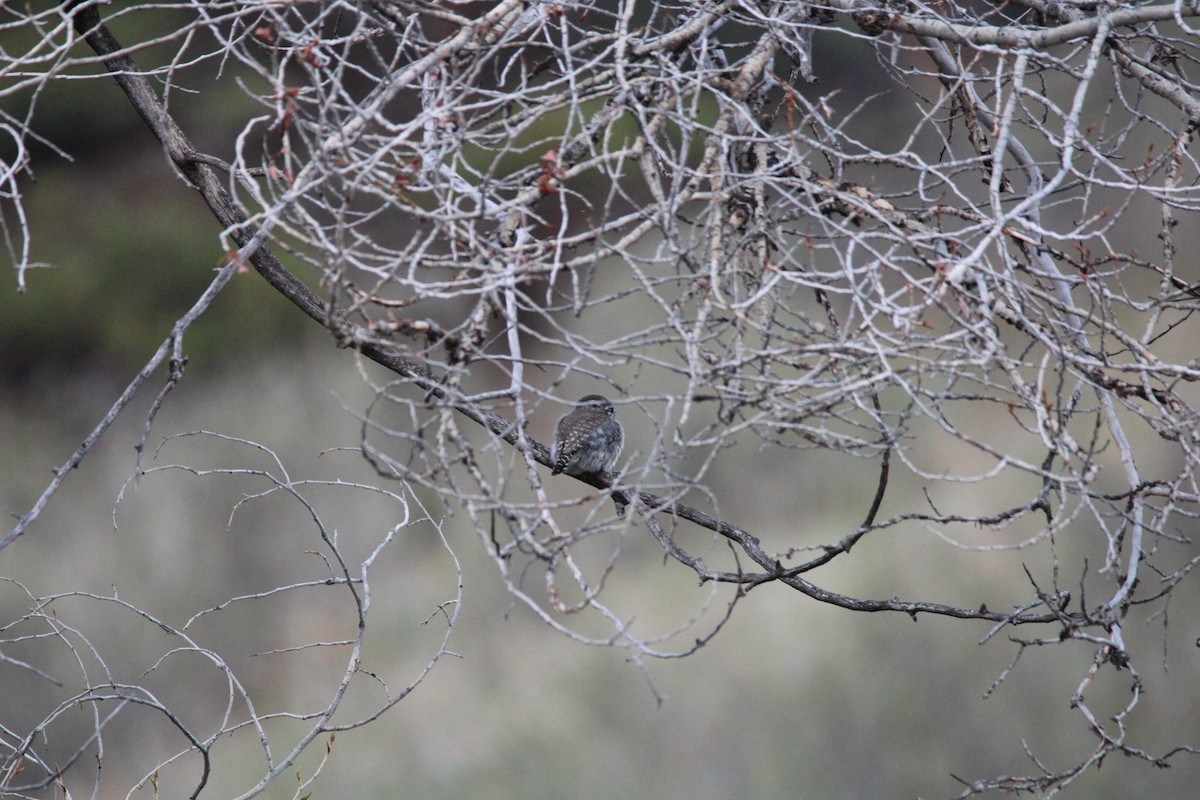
x=928 y=259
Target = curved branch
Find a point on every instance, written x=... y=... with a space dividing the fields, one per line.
x=205 y=180
x=1012 y=36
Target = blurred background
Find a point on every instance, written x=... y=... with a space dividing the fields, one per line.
x=790 y=699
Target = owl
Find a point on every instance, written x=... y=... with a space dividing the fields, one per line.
x=587 y=439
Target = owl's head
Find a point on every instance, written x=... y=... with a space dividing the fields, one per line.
x=596 y=401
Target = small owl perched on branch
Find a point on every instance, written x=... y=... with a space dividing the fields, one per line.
x=588 y=439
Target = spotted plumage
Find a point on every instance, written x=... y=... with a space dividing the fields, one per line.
x=587 y=439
